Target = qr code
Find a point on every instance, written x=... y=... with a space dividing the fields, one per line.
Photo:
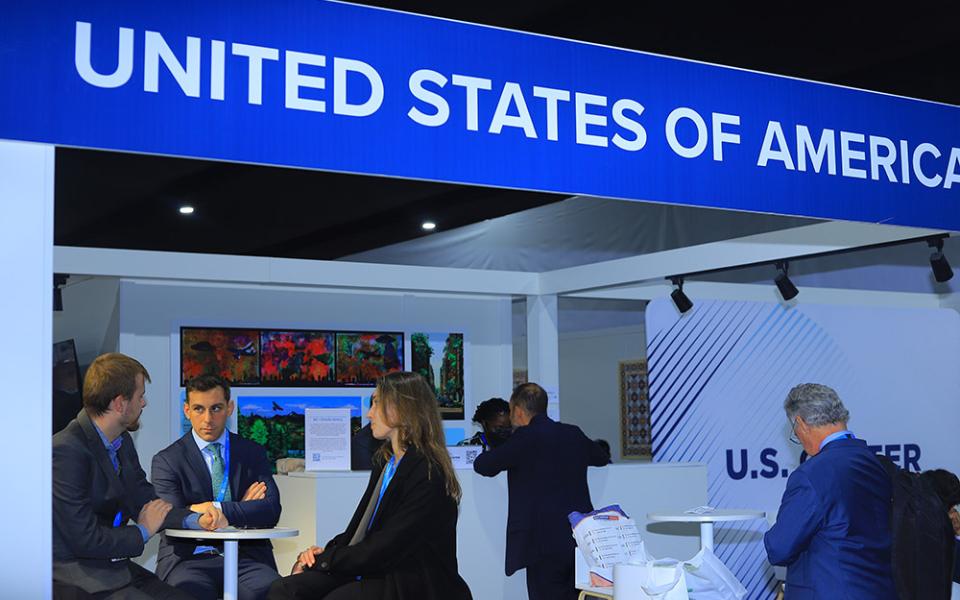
x=471 y=455
x=316 y=457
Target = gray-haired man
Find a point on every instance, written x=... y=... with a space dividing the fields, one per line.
x=833 y=526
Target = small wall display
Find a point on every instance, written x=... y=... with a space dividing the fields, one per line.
x=439 y=358
x=297 y=358
x=362 y=357
x=634 y=410
x=230 y=353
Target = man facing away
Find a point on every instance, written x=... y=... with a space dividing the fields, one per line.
x=546 y=464
x=98 y=486
x=833 y=527
x=209 y=466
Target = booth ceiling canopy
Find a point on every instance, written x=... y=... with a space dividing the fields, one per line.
x=341 y=87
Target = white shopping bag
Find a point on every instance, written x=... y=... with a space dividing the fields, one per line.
x=652 y=580
x=606 y=537
x=709 y=579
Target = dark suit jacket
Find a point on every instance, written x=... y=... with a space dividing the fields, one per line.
x=546 y=464
x=833 y=528
x=87 y=494
x=412 y=540
x=181 y=478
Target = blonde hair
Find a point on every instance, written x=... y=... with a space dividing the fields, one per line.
x=411 y=402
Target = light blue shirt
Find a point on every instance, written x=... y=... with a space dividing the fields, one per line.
x=208 y=460
x=846 y=433
x=113 y=448
x=202 y=445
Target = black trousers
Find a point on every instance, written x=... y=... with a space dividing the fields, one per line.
x=144 y=586
x=202 y=578
x=552 y=578
x=314 y=585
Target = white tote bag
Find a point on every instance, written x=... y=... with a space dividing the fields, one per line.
x=709 y=579
x=650 y=580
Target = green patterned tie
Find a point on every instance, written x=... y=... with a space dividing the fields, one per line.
x=217 y=474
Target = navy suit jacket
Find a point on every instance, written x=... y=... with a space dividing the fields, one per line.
x=87 y=494
x=546 y=464
x=180 y=477
x=833 y=528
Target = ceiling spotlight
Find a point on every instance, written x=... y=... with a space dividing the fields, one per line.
x=787 y=290
x=428 y=226
x=186 y=210
x=680 y=300
x=938 y=262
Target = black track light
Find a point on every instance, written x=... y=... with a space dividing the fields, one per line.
x=787 y=290
x=938 y=262
x=680 y=299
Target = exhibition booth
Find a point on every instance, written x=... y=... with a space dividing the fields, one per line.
x=682 y=177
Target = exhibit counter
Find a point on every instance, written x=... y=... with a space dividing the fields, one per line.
x=320 y=506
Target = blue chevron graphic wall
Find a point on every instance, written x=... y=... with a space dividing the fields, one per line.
x=720 y=373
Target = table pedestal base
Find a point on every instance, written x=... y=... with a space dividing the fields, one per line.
x=230 y=569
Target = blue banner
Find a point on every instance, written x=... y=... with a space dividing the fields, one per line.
x=340 y=87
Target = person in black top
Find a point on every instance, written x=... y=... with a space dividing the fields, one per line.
x=401 y=543
x=546 y=464
x=493 y=417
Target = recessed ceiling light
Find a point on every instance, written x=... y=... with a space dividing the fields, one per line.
x=429 y=226
x=186 y=210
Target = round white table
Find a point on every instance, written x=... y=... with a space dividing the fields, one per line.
x=707 y=520
x=231 y=537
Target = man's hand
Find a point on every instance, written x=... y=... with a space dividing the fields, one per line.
x=201 y=507
x=213 y=518
x=152 y=515
x=256 y=491
x=306 y=559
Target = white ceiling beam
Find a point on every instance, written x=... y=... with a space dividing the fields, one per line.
x=765 y=247
x=181 y=266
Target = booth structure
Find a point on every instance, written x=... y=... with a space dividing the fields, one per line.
x=866 y=171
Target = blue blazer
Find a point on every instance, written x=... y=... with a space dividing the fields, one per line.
x=833 y=528
x=180 y=477
x=546 y=464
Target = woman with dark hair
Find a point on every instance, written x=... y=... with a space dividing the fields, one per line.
x=493 y=417
x=401 y=543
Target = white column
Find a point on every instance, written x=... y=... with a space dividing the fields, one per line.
x=543 y=342
x=26 y=319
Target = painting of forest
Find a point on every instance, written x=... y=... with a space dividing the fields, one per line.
x=363 y=357
x=297 y=358
x=230 y=353
x=277 y=422
x=439 y=358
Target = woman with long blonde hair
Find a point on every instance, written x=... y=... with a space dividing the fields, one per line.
x=401 y=543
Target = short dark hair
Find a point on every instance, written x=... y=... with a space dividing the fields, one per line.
x=205 y=383
x=108 y=376
x=945 y=484
x=488 y=409
x=530 y=397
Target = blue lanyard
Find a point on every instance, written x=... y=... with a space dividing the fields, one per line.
x=388 y=473
x=226 y=469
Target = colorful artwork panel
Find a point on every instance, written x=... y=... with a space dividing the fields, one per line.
x=439 y=358
x=230 y=353
x=364 y=357
x=297 y=358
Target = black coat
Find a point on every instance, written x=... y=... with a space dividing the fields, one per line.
x=181 y=477
x=87 y=494
x=412 y=541
x=546 y=464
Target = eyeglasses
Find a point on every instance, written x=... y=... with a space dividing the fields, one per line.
x=793 y=433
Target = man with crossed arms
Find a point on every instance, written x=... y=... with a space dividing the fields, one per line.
x=211 y=467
